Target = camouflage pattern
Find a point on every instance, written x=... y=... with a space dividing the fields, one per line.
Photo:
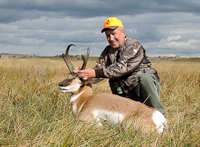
x=125 y=65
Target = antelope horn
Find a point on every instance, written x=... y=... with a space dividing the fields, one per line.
x=85 y=59
x=66 y=59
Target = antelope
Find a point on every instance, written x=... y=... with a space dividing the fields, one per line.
x=107 y=107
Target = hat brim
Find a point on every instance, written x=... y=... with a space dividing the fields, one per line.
x=112 y=28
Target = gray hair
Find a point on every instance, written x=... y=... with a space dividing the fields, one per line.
x=121 y=29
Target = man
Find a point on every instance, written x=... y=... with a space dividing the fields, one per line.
x=126 y=65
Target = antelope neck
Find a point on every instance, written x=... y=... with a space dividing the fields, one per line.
x=77 y=100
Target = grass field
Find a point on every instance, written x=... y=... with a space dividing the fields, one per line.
x=34 y=113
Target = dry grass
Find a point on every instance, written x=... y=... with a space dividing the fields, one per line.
x=34 y=113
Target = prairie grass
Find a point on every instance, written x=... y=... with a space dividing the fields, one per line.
x=34 y=113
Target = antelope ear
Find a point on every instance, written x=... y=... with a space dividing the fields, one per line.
x=88 y=84
x=94 y=80
x=85 y=83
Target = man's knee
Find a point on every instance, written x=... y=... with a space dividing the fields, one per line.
x=145 y=78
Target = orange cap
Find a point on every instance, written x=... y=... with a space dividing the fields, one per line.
x=112 y=23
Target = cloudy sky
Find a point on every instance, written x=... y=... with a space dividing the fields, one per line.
x=46 y=27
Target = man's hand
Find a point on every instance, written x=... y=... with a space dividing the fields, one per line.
x=87 y=74
x=77 y=69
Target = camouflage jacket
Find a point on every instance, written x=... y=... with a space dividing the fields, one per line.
x=124 y=65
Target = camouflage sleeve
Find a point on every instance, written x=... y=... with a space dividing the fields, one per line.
x=129 y=60
x=101 y=61
x=99 y=66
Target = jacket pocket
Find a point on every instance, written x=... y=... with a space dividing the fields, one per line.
x=131 y=82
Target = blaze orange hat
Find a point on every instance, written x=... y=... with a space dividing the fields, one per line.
x=112 y=23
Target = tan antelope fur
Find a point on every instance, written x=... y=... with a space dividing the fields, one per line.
x=108 y=107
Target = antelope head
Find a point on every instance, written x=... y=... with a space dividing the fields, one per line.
x=73 y=83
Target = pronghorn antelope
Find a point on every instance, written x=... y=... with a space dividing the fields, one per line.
x=105 y=106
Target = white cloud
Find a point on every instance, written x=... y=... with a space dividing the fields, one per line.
x=177 y=37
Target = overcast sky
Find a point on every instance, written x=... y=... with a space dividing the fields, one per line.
x=46 y=27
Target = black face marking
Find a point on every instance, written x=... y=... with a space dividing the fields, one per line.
x=67 y=82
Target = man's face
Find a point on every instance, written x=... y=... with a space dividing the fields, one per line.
x=115 y=37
